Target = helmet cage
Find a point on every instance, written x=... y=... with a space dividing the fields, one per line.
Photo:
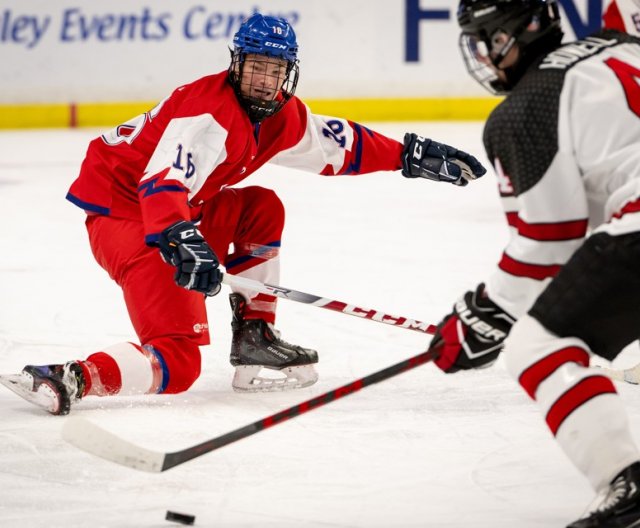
x=490 y=30
x=258 y=108
x=482 y=51
x=476 y=60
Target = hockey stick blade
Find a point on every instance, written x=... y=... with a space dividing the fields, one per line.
x=630 y=375
x=328 y=304
x=93 y=439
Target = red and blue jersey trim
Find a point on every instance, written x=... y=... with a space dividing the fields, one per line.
x=89 y=207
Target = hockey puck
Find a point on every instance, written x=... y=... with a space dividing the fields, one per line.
x=181 y=518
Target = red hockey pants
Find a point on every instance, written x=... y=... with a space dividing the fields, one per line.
x=165 y=316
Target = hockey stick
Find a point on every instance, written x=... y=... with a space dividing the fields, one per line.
x=329 y=304
x=91 y=438
x=629 y=375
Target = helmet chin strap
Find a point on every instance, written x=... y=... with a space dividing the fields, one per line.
x=258 y=109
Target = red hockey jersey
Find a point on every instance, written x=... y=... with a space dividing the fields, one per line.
x=161 y=166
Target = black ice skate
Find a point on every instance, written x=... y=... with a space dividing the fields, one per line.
x=256 y=345
x=618 y=506
x=51 y=387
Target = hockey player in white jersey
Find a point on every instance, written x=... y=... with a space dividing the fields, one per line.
x=565 y=144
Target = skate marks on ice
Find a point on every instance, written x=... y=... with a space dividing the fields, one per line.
x=536 y=490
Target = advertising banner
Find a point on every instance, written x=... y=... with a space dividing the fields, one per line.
x=57 y=51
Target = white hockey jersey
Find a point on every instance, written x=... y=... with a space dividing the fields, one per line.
x=565 y=144
x=623 y=15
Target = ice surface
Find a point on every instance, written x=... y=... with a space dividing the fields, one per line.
x=420 y=450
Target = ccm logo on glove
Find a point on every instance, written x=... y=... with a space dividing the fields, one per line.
x=425 y=158
x=188 y=233
x=183 y=246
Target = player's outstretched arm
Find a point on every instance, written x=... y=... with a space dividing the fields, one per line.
x=472 y=335
x=425 y=158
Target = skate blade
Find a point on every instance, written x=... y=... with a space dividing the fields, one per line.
x=45 y=397
x=250 y=378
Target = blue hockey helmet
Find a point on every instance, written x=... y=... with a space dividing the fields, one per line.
x=273 y=40
x=266 y=35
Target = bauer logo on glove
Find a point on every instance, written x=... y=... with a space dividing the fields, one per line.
x=472 y=336
x=483 y=329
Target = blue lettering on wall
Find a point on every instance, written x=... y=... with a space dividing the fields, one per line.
x=199 y=23
x=77 y=26
x=594 y=17
x=26 y=30
x=415 y=15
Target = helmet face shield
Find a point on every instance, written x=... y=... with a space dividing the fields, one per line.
x=480 y=61
x=501 y=38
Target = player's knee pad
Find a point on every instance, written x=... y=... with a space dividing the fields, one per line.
x=524 y=345
x=532 y=353
x=266 y=204
x=261 y=197
x=180 y=361
x=554 y=372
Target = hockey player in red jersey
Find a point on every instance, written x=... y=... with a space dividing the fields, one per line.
x=623 y=15
x=565 y=144
x=162 y=214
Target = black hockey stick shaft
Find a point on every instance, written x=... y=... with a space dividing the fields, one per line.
x=180 y=457
x=328 y=304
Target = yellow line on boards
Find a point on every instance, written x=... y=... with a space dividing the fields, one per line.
x=419 y=109
x=63 y=115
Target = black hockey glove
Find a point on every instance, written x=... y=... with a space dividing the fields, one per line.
x=183 y=246
x=472 y=335
x=425 y=158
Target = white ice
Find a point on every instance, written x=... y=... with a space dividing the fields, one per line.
x=419 y=450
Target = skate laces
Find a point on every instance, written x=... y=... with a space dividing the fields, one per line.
x=72 y=379
x=278 y=337
x=616 y=492
x=610 y=497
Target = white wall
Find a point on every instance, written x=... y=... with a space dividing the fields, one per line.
x=130 y=50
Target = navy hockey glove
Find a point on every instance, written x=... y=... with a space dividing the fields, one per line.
x=472 y=335
x=425 y=158
x=183 y=246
